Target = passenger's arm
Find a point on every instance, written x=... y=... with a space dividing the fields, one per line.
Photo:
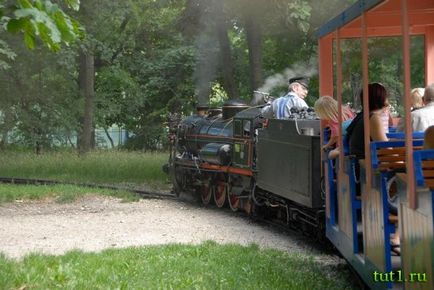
x=377 y=129
x=332 y=141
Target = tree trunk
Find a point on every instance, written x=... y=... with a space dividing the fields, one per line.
x=93 y=138
x=226 y=54
x=4 y=141
x=109 y=137
x=68 y=138
x=86 y=84
x=8 y=124
x=254 y=43
x=38 y=148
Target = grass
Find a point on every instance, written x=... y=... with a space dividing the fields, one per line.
x=206 y=266
x=103 y=167
x=62 y=193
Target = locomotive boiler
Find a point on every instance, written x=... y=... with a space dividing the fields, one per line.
x=263 y=166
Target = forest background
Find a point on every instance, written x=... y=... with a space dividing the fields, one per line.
x=67 y=68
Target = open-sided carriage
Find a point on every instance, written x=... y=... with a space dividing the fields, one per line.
x=359 y=218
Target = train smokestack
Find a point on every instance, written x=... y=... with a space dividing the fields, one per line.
x=231 y=107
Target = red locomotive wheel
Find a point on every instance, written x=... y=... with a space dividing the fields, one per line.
x=234 y=201
x=205 y=193
x=220 y=194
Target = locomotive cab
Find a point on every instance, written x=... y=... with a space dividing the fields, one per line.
x=245 y=126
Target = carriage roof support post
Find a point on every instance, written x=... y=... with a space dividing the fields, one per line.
x=339 y=95
x=325 y=46
x=429 y=54
x=326 y=65
x=411 y=195
x=365 y=74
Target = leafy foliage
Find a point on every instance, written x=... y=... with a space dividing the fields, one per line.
x=43 y=19
x=385 y=66
x=38 y=100
x=7 y=53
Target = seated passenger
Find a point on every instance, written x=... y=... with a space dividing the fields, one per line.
x=326 y=109
x=417 y=98
x=378 y=103
x=423 y=118
x=280 y=108
x=428 y=142
x=416 y=103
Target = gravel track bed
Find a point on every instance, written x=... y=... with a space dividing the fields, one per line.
x=94 y=223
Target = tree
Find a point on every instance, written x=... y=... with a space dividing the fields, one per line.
x=87 y=91
x=225 y=52
x=41 y=19
x=142 y=65
x=38 y=104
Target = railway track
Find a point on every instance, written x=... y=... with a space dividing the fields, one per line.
x=31 y=181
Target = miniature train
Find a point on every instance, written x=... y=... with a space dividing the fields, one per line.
x=276 y=167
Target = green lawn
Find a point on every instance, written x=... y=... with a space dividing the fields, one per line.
x=61 y=193
x=206 y=266
x=108 y=167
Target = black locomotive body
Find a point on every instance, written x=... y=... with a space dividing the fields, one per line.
x=263 y=166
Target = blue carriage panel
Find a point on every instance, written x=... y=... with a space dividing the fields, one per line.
x=326 y=135
x=332 y=190
x=401 y=135
x=356 y=204
x=330 y=179
x=418 y=156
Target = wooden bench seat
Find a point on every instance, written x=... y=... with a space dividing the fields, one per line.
x=392 y=158
x=391 y=155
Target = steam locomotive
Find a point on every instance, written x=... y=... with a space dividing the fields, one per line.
x=262 y=166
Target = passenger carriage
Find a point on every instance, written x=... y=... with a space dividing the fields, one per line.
x=359 y=220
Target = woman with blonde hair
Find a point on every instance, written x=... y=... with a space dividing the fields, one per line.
x=417 y=98
x=416 y=95
x=326 y=109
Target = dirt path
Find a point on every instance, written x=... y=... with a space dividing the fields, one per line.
x=95 y=223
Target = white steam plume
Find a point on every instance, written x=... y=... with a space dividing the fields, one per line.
x=281 y=79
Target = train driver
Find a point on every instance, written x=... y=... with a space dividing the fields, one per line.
x=280 y=108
